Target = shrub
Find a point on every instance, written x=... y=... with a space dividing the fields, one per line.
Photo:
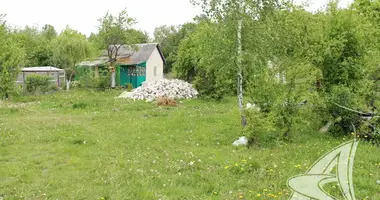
x=207 y=86
x=37 y=83
x=87 y=80
x=260 y=127
x=370 y=131
x=102 y=83
x=129 y=87
x=344 y=96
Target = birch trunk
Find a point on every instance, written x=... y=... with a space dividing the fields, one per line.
x=239 y=71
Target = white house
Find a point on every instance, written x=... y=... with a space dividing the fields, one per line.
x=134 y=65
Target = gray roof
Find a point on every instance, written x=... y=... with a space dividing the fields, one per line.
x=42 y=69
x=134 y=54
x=93 y=63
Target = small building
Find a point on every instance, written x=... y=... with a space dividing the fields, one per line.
x=135 y=64
x=57 y=76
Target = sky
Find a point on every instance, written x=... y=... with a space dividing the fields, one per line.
x=82 y=15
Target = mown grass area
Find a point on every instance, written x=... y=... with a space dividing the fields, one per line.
x=89 y=145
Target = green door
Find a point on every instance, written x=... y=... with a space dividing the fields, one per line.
x=134 y=75
x=123 y=76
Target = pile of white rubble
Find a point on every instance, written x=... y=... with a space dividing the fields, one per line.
x=176 y=89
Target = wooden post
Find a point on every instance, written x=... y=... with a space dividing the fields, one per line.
x=23 y=82
x=97 y=72
x=57 y=81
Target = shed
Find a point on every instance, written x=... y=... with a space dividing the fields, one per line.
x=135 y=64
x=57 y=75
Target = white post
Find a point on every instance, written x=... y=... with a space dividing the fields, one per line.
x=113 y=77
x=68 y=84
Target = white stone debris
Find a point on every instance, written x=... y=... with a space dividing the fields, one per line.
x=149 y=91
x=242 y=141
x=250 y=106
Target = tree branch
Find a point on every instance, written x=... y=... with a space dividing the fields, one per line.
x=355 y=111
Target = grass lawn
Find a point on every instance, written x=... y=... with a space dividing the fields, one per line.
x=89 y=145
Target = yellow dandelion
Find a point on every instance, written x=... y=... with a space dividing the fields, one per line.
x=272 y=195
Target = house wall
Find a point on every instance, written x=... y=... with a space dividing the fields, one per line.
x=154 y=60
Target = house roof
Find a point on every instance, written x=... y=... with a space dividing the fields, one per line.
x=129 y=55
x=96 y=62
x=42 y=69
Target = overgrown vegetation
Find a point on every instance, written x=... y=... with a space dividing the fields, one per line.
x=297 y=75
x=294 y=63
x=37 y=83
x=89 y=145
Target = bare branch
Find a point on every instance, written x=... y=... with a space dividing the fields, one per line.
x=355 y=111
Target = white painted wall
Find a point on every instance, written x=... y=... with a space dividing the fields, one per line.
x=154 y=60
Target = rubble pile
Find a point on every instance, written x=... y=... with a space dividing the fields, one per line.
x=175 y=89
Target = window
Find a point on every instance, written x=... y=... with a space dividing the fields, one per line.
x=155 y=71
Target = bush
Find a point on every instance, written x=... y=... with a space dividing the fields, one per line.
x=370 y=131
x=208 y=87
x=37 y=84
x=129 y=87
x=102 y=83
x=260 y=127
x=87 y=80
x=344 y=96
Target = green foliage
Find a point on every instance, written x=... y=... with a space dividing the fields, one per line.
x=87 y=80
x=203 y=58
x=102 y=83
x=290 y=57
x=36 y=44
x=80 y=106
x=208 y=88
x=260 y=128
x=36 y=83
x=115 y=30
x=169 y=38
x=12 y=56
x=70 y=48
x=7 y=85
x=129 y=87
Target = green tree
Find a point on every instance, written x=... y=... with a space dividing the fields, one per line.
x=169 y=38
x=69 y=49
x=161 y=33
x=36 y=44
x=12 y=57
x=114 y=32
